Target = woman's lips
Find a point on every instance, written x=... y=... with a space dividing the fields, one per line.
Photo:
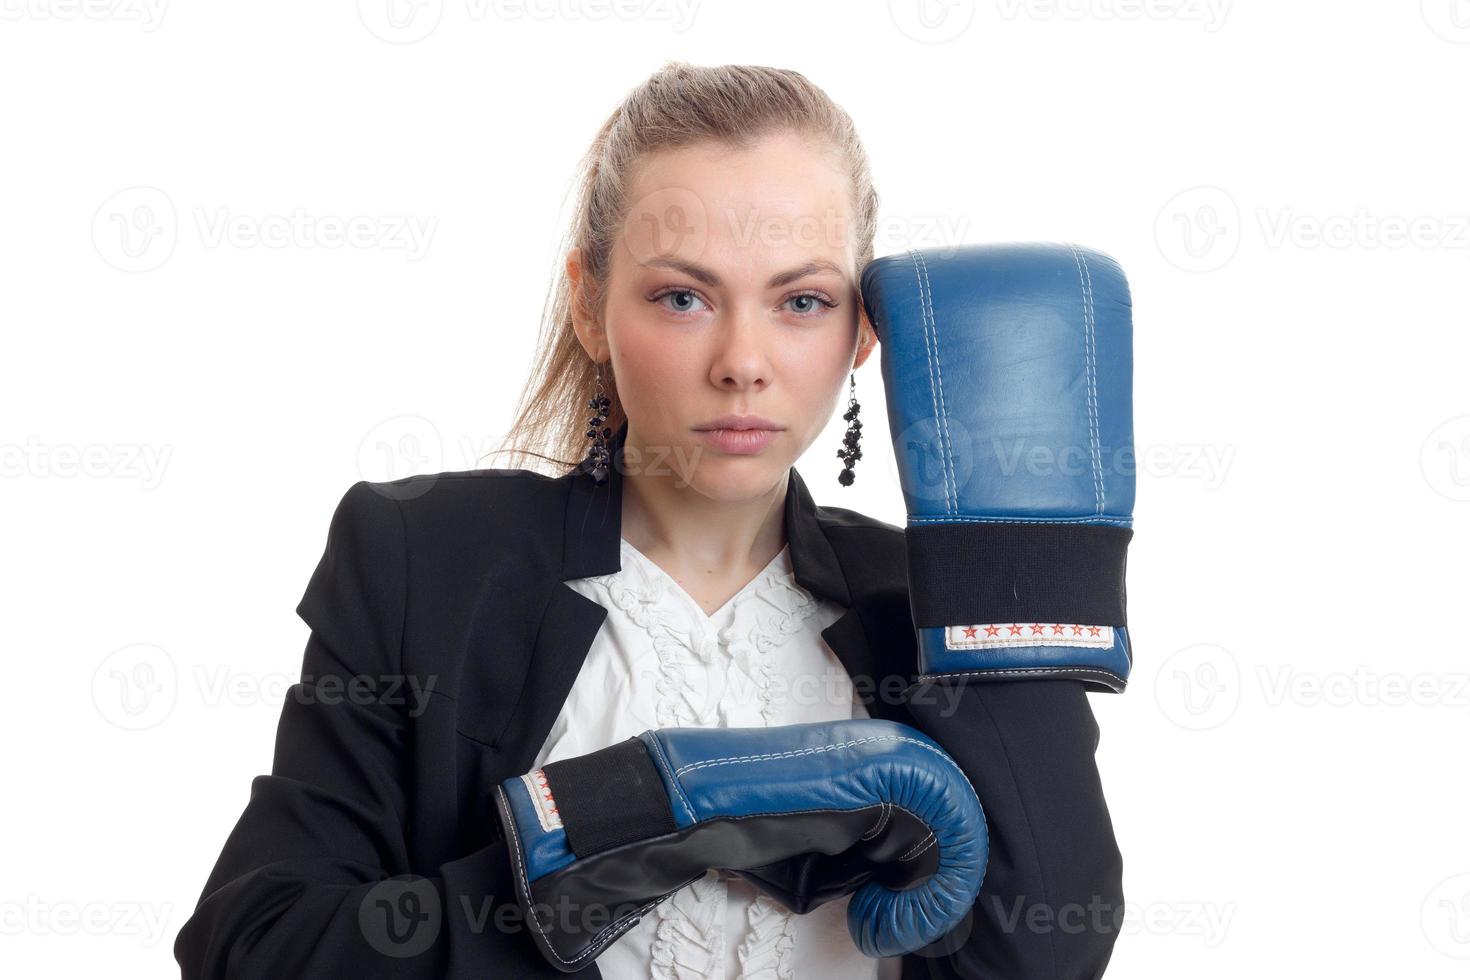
x=742 y=441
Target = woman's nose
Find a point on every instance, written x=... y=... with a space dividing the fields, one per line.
x=740 y=360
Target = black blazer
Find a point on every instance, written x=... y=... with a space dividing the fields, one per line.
x=443 y=644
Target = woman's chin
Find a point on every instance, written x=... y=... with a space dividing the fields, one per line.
x=733 y=478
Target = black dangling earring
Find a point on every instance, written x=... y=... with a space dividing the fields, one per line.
x=597 y=453
x=851 y=451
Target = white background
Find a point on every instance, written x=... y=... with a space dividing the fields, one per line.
x=1284 y=184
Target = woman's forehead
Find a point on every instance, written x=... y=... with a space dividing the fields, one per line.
x=776 y=206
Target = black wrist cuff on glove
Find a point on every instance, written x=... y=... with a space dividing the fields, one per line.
x=987 y=573
x=609 y=797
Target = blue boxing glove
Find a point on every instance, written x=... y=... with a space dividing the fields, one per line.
x=811 y=812
x=1009 y=377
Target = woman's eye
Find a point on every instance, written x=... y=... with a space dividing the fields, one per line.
x=809 y=304
x=688 y=301
x=684 y=300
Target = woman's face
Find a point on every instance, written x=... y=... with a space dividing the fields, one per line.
x=732 y=293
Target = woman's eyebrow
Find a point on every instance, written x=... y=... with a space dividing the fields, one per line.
x=713 y=281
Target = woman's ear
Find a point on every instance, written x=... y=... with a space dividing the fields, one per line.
x=867 y=340
x=589 y=331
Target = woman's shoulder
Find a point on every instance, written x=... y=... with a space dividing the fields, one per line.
x=483 y=493
x=845 y=518
x=871 y=551
x=462 y=514
x=862 y=530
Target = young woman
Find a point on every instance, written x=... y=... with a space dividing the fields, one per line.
x=674 y=573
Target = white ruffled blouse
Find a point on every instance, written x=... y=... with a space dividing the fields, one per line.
x=660 y=661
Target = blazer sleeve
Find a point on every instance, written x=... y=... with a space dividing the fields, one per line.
x=1052 y=898
x=314 y=880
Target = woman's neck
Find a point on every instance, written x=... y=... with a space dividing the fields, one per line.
x=713 y=548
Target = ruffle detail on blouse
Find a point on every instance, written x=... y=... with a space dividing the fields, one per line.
x=764 y=953
x=710 y=671
x=689 y=940
x=681 y=647
x=786 y=606
x=689 y=937
x=682 y=642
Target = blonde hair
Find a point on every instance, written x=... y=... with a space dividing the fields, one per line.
x=679 y=105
